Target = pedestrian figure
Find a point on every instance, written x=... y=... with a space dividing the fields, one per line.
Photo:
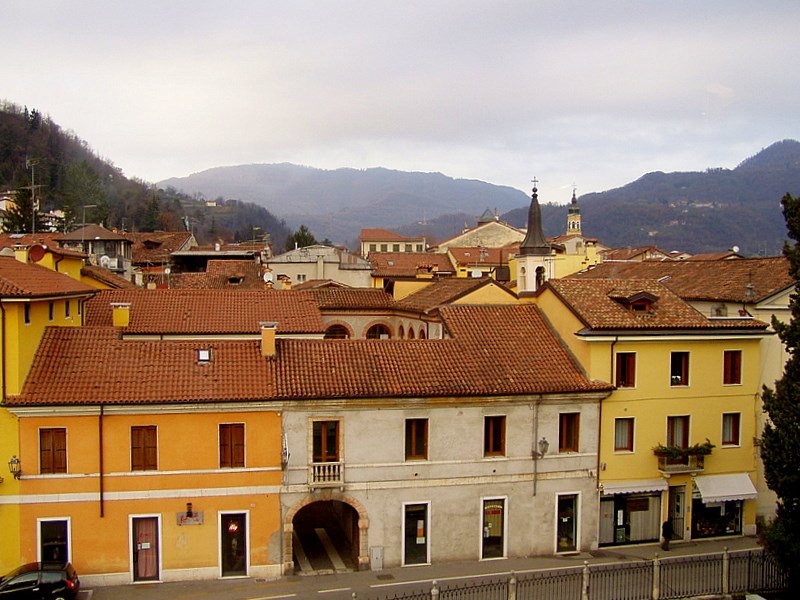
x=666 y=534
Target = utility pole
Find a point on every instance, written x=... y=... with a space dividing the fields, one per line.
x=31 y=164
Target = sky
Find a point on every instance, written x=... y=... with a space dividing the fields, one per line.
x=592 y=94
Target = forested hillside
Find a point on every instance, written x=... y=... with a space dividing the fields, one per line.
x=68 y=175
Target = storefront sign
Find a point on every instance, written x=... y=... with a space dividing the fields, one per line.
x=196 y=518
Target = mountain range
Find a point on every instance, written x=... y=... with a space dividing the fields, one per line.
x=696 y=212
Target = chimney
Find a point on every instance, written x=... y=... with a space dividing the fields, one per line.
x=121 y=314
x=268 y=329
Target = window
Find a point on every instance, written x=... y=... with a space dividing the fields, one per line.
x=325 y=441
x=494 y=436
x=337 y=332
x=52 y=450
x=301 y=277
x=144 y=448
x=407 y=248
x=66 y=309
x=730 y=429
x=568 y=431
x=419 y=247
x=395 y=247
x=416 y=439
x=732 y=367
x=231 y=445
x=378 y=332
x=50 y=311
x=373 y=247
x=678 y=431
x=27 y=314
x=679 y=368
x=626 y=369
x=623 y=434
x=384 y=247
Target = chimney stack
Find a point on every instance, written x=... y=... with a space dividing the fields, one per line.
x=121 y=314
x=268 y=330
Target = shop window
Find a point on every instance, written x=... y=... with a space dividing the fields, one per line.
x=416 y=439
x=53 y=450
x=567 y=523
x=568 y=432
x=626 y=369
x=679 y=368
x=493 y=541
x=732 y=367
x=231 y=445
x=623 y=434
x=494 y=435
x=144 y=448
x=730 y=429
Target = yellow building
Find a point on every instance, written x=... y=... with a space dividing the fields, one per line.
x=676 y=435
x=31 y=298
x=154 y=474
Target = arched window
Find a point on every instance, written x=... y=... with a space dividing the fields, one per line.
x=410 y=333
x=401 y=333
x=539 y=277
x=337 y=332
x=378 y=332
x=422 y=335
x=521 y=279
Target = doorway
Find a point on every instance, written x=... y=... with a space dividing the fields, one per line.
x=233 y=544
x=677 y=510
x=567 y=523
x=145 y=549
x=54 y=540
x=493 y=542
x=415 y=534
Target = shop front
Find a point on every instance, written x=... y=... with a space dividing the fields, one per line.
x=718 y=504
x=630 y=511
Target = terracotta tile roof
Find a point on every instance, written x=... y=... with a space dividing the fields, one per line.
x=384 y=235
x=220 y=275
x=48 y=240
x=351 y=298
x=631 y=253
x=89 y=232
x=71 y=365
x=24 y=280
x=726 y=255
x=720 y=281
x=443 y=291
x=186 y=311
x=596 y=302
x=105 y=276
x=156 y=247
x=315 y=284
x=406 y=264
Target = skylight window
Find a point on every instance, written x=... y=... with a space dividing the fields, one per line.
x=204 y=355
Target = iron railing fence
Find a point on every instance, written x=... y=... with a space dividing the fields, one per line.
x=661 y=578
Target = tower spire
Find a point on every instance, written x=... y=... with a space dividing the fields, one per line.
x=534 y=242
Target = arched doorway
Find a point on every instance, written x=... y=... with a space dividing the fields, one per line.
x=327 y=537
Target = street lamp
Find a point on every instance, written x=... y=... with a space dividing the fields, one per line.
x=255 y=228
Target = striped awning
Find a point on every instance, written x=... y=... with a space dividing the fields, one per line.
x=634 y=486
x=723 y=488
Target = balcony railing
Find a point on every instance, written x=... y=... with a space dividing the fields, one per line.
x=326 y=474
x=692 y=463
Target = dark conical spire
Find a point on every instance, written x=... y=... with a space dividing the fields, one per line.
x=573 y=209
x=534 y=242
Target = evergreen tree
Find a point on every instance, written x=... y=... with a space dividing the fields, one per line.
x=300 y=239
x=20 y=215
x=780 y=444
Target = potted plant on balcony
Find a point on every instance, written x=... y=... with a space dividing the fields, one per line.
x=669 y=452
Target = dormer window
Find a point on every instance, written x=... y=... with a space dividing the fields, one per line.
x=235 y=279
x=638 y=303
x=151 y=244
x=203 y=355
x=641 y=308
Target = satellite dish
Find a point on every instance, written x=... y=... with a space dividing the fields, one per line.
x=735 y=249
x=476 y=274
x=36 y=252
x=167 y=271
x=267 y=277
x=105 y=261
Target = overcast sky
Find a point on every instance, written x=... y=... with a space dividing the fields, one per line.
x=591 y=93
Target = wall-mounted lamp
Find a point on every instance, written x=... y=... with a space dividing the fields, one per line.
x=544 y=446
x=189 y=511
x=15 y=467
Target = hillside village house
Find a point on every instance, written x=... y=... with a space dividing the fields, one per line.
x=105 y=248
x=320 y=262
x=676 y=435
x=383 y=240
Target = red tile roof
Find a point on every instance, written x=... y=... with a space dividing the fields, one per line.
x=197 y=312
x=351 y=298
x=476 y=256
x=89 y=232
x=156 y=247
x=24 y=280
x=315 y=284
x=632 y=253
x=444 y=291
x=406 y=264
x=498 y=351
x=105 y=276
x=48 y=240
x=384 y=235
x=596 y=302
x=720 y=281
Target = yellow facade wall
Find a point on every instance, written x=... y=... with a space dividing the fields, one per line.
x=188 y=471
x=488 y=294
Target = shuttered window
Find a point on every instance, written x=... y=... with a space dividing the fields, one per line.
x=144 y=448
x=231 y=445
x=52 y=450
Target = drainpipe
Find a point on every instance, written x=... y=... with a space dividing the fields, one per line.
x=534 y=443
x=3 y=347
x=58 y=260
x=100 y=442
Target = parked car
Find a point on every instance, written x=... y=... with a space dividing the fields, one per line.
x=41 y=581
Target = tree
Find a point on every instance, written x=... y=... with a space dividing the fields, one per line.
x=20 y=214
x=81 y=186
x=780 y=444
x=300 y=239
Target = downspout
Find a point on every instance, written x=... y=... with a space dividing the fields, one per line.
x=3 y=347
x=534 y=443
x=100 y=441
x=58 y=260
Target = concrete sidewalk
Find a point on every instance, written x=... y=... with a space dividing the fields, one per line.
x=378 y=584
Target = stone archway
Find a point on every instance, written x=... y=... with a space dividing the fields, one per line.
x=326 y=495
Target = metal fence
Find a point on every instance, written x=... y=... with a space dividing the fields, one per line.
x=657 y=579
